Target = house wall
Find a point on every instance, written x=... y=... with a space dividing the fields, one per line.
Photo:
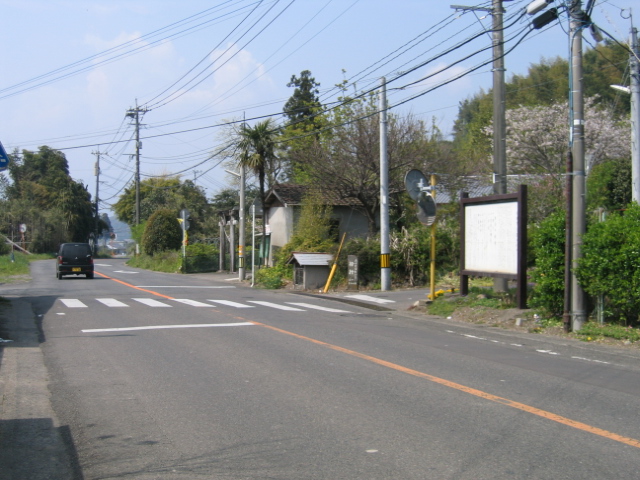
x=352 y=222
x=280 y=220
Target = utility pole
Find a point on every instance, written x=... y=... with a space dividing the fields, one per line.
x=385 y=261
x=634 y=67
x=241 y=215
x=135 y=114
x=578 y=298
x=499 y=107
x=499 y=122
x=96 y=171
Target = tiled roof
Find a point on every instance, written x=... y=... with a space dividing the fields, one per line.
x=322 y=259
x=290 y=194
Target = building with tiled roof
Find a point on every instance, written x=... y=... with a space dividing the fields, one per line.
x=283 y=203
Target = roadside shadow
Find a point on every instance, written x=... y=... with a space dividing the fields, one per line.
x=36 y=449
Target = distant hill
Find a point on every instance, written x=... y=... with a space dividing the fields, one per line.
x=121 y=229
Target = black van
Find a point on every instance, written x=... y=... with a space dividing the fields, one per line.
x=74 y=259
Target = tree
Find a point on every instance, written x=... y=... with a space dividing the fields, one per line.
x=256 y=152
x=167 y=192
x=609 y=185
x=538 y=144
x=545 y=84
x=162 y=232
x=304 y=104
x=345 y=161
x=44 y=197
x=229 y=198
x=306 y=121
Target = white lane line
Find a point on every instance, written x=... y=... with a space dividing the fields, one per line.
x=183 y=286
x=165 y=327
x=547 y=351
x=111 y=302
x=124 y=271
x=193 y=303
x=73 y=303
x=229 y=303
x=277 y=306
x=102 y=265
x=318 y=307
x=150 y=302
x=370 y=299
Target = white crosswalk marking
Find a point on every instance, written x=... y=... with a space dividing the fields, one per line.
x=229 y=303
x=276 y=306
x=193 y=303
x=73 y=303
x=150 y=302
x=369 y=298
x=111 y=302
x=317 y=307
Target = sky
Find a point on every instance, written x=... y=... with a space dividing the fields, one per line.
x=70 y=70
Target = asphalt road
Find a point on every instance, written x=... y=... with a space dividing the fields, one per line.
x=183 y=377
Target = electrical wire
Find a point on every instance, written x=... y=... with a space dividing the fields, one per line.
x=150 y=104
x=92 y=64
x=169 y=99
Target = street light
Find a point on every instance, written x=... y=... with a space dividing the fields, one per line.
x=621 y=88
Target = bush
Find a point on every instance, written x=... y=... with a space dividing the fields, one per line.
x=167 y=261
x=162 y=232
x=610 y=263
x=273 y=277
x=202 y=258
x=368 y=253
x=548 y=242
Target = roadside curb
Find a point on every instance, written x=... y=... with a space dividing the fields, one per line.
x=32 y=442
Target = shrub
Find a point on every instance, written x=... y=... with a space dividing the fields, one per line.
x=610 y=263
x=273 y=277
x=548 y=242
x=162 y=232
x=368 y=253
x=202 y=258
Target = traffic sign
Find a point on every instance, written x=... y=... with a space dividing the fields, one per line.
x=415 y=181
x=4 y=158
x=419 y=189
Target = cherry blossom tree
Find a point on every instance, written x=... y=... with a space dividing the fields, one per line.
x=538 y=137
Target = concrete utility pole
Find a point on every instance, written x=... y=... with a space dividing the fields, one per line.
x=135 y=114
x=241 y=232
x=499 y=122
x=385 y=261
x=499 y=106
x=578 y=298
x=634 y=67
x=96 y=171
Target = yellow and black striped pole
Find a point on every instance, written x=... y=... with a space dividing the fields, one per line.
x=385 y=260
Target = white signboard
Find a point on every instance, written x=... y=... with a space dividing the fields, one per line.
x=491 y=238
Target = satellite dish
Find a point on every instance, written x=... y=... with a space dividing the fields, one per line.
x=413 y=181
x=426 y=209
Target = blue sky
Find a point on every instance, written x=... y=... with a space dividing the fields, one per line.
x=59 y=88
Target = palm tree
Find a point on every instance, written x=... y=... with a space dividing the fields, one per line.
x=256 y=151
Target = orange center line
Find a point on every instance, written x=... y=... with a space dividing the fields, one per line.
x=471 y=391
x=441 y=381
x=137 y=288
